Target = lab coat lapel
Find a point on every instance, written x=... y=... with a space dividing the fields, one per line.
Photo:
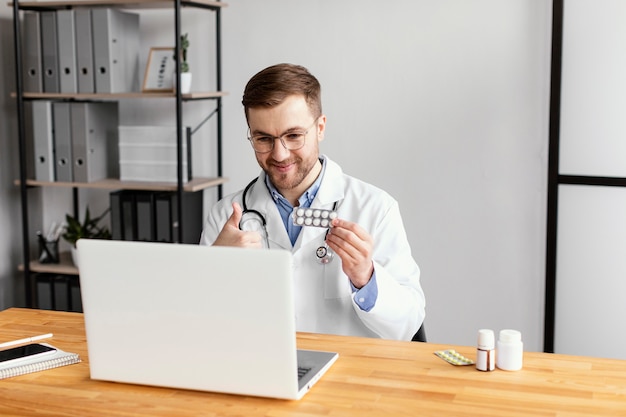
x=261 y=201
x=331 y=190
x=277 y=234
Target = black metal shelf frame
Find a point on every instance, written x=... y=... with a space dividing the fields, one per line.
x=29 y=282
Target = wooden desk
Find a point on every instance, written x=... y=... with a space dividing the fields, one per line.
x=370 y=378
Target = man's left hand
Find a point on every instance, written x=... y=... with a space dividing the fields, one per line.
x=354 y=246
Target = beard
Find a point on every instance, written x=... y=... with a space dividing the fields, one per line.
x=293 y=179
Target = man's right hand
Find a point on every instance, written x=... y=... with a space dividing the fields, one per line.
x=231 y=235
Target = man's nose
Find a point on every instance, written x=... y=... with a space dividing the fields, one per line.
x=280 y=150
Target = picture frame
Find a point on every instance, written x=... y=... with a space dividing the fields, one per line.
x=160 y=68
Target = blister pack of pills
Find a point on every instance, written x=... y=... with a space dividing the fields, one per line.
x=453 y=357
x=312 y=217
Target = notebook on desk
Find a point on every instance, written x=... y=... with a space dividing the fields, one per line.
x=194 y=317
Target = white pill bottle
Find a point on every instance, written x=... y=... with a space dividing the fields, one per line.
x=485 y=353
x=510 y=350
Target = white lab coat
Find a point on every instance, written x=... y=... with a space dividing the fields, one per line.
x=323 y=295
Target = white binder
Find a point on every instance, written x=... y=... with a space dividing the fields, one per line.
x=43 y=140
x=84 y=51
x=94 y=140
x=32 y=53
x=66 y=48
x=116 y=50
x=50 y=59
x=63 y=141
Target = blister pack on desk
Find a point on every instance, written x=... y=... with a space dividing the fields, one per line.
x=453 y=357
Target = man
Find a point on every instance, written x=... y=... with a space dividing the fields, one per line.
x=370 y=287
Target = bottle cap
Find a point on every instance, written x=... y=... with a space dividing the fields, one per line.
x=510 y=336
x=486 y=339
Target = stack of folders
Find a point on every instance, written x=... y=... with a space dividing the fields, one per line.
x=81 y=51
x=72 y=142
x=153 y=216
x=59 y=358
x=150 y=153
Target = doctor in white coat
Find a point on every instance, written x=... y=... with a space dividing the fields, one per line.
x=357 y=277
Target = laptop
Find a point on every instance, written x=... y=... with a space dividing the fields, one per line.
x=204 y=318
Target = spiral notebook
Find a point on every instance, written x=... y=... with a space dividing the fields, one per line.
x=60 y=358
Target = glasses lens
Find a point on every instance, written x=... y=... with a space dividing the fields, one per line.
x=293 y=141
x=262 y=143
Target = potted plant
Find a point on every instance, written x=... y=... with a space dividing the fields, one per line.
x=185 y=74
x=88 y=229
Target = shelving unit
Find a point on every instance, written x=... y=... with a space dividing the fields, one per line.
x=195 y=184
x=65 y=267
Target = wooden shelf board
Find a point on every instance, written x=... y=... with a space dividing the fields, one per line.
x=194 y=185
x=130 y=4
x=119 y=96
x=64 y=267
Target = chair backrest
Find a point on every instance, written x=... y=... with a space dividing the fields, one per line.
x=420 y=336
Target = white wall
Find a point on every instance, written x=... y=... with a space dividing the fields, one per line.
x=442 y=103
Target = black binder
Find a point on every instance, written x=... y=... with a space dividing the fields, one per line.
x=145 y=216
x=153 y=216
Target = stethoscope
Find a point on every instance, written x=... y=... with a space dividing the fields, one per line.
x=253 y=220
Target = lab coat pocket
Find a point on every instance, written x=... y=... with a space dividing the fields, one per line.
x=327 y=280
x=336 y=283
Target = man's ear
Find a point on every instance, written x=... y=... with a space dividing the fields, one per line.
x=321 y=127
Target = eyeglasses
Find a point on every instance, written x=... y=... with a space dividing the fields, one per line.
x=292 y=140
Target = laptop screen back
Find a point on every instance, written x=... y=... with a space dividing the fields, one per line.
x=188 y=316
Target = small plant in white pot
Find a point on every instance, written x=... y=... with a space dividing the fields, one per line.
x=88 y=229
x=185 y=74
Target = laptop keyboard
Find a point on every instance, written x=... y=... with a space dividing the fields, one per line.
x=302 y=372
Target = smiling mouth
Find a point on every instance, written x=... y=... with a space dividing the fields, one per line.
x=283 y=167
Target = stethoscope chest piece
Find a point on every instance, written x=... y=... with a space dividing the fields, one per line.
x=324 y=255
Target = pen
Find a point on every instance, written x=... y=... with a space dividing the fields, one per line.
x=26 y=340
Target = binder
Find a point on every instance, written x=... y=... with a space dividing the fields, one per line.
x=115 y=201
x=116 y=50
x=145 y=216
x=60 y=358
x=57 y=292
x=167 y=219
x=33 y=82
x=29 y=146
x=129 y=216
x=63 y=141
x=84 y=51
x=94 y=140
x=43 y=140
x=49 y=57
x=164 y=218
x=66 y=49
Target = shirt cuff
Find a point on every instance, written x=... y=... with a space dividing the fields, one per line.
x=366 y=296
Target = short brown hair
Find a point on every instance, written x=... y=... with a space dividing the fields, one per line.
x=269 y=87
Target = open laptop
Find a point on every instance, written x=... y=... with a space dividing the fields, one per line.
x=194 y=317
